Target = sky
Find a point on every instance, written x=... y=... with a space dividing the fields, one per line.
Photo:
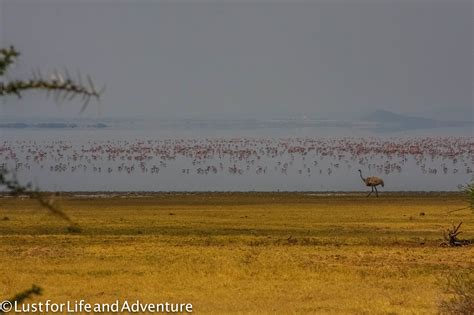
x=247 y=59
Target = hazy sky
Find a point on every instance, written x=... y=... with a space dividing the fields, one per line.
x=224 y=58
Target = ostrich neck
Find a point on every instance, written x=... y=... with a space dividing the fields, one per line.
x=363 y=179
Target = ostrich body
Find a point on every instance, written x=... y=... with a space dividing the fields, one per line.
x=373 y=182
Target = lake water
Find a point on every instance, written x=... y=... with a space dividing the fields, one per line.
x=230 y=156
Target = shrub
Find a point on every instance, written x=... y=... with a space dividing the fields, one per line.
x=459 y=289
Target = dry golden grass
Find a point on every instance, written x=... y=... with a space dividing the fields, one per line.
x=232 y=253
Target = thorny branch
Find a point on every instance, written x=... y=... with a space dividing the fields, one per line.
x=22 y=296
x=16 y=189
x=7 y=58
x=62 y=86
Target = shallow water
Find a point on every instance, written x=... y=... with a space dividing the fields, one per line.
x=193 y=158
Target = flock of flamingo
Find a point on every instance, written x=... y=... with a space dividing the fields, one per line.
x=240 y=156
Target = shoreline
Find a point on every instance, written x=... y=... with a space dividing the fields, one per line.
x=111 y=194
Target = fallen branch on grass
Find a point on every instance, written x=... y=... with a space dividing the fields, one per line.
x=451 y=237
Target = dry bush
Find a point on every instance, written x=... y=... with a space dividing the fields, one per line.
x=459 y=288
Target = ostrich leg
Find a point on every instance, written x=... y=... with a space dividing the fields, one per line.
x=376 y=191
x=371 y=191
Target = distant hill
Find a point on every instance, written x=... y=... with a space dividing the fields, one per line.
x=49 y=125
x=390 y=120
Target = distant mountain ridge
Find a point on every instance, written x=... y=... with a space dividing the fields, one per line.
x=378 y=120
x=391 y=120
x=49 y=125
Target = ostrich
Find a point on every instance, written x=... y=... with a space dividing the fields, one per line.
x=372 y=181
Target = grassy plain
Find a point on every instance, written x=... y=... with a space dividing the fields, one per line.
x=229 y=253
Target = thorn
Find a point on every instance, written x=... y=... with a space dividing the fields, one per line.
x=91 y=84
x=57 y=94
x=65 y=95
x=79 y=78
x=61 y=79
x=85 y=105
x=66 y=73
